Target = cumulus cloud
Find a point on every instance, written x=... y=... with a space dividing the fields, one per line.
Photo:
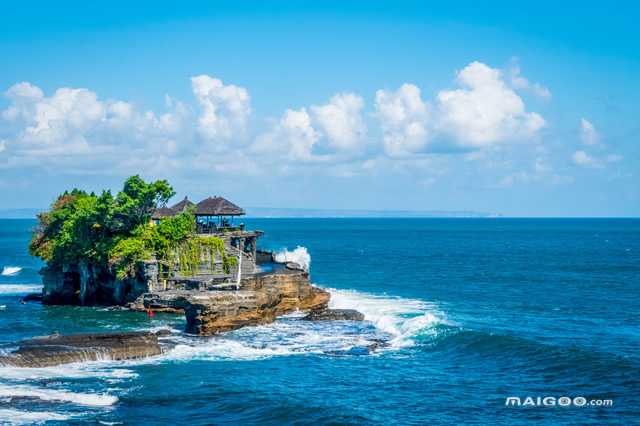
x=518 y=81
x=225 y=108
x=77 y=128
x=403 y=116
x=485 y=111
x=482 y=112
x=588 y=133
x=341 y=120
x=74 y=128
x=292 y=136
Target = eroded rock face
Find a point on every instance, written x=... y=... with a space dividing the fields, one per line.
x=59 y=349
x=292 y=287
x=84 y=284
x=174 y=301
x=224 y=311
x=261 y=299
x=335 y=315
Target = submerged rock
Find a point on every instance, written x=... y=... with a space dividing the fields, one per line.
x=335 y=315
x=59 y=349
x=32 y=297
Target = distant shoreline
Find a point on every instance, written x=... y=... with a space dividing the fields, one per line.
x=266 y=212
x=293 y=213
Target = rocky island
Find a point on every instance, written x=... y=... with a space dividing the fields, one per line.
x=133 y=251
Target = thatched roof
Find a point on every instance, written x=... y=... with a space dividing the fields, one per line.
x=217 y=206
x=182 y=205
x=162 y=212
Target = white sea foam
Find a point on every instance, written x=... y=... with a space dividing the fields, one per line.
x=17 y=417
x=300 y=256
x=103 y=370
x=395 y=320
x=19 y=288
x=401 y=318
x=45 y=394
x=9 y=271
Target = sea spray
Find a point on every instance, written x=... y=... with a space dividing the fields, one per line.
x=402 y=319
x=299 y=255
x=9 y=271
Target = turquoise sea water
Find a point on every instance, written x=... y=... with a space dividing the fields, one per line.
x=472 y=311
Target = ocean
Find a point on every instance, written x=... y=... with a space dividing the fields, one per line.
x=472 y=312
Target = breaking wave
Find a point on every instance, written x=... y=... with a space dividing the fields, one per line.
x=300 y=256
x=391 y=323
x=27 y=391
x=97 y=369
x=9 y=271
x=19 y=288
x=402 y=319
x=18 y=417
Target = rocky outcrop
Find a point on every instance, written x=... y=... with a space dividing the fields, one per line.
x=293 y=289
x=261 y=299
x=171 y=301
x=58 y=349
x=87 y=285
x=335 y=315
x=225 y=311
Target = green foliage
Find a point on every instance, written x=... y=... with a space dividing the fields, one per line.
x=194 y=251
x=126 y=254
x=116 y=233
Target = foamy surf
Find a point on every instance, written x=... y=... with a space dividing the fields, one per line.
x=9 y=271
x=390 y=322
x=44 y=394
x=96 y=369
x=18 y=417
x=402 y=319
x=19 y=288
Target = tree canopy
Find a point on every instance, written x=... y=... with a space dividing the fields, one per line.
x=112 y=232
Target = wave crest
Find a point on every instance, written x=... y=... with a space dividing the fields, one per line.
x=10 y=271
x=300 y=256
x=403 y=319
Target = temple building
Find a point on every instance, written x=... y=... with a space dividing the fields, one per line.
x=217 y=216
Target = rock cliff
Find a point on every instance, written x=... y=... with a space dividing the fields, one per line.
x=84 y=284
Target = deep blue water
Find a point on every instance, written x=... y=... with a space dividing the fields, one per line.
x=472 y=311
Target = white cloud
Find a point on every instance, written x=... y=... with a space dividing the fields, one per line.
x=485 y=111
x=74 y=128
x=341 y=120
x=292 y=136
x=518 y=81
x=588 y=133
x=225 y=108
x=583 y=159
x=403 y=117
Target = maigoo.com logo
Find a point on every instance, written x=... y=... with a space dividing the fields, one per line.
x=552 y=401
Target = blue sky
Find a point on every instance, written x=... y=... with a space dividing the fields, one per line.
x=524 y=110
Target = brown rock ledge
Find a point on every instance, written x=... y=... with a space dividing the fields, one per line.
x=58 y=349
